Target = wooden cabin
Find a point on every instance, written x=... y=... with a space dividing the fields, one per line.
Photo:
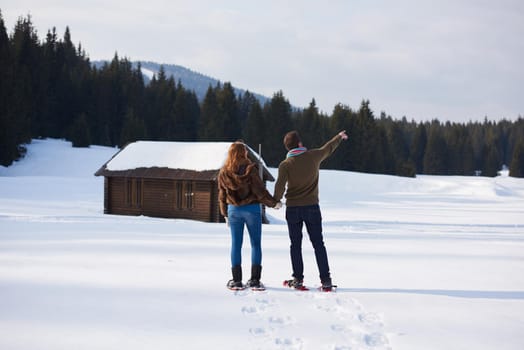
x=168 y=179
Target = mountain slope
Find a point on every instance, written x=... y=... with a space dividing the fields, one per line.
x=191 y=80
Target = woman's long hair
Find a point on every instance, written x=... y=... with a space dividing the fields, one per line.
x=236 y=157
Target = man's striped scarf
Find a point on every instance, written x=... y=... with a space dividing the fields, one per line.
x=296 y=152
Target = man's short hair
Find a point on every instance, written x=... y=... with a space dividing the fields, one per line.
x=291 y=140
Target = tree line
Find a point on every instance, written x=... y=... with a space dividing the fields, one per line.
x=49 y=88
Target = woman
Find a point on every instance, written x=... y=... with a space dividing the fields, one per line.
x=240 y=193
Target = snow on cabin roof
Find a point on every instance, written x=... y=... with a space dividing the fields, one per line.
x=197 y=156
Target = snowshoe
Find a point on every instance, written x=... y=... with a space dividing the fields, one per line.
x=327 y=288
x=255 y=285
x=231 y=284
x=296 y=284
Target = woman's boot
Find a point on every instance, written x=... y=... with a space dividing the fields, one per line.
x=254 y=282
x=236 y=282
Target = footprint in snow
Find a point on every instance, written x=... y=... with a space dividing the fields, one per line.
x=376 y=339
x=261 y=306
x=371 y=319
x=289 y=343
x=260 y=332
x=340 y=328
x=242 y=293
x=266 y=302
x=280 y=321
x=337 y=305
x=348 y=303
x=250 y=310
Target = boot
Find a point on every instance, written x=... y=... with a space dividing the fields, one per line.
x=236 y=282
x=254 y=281
x=295 y=283
x=327 y=285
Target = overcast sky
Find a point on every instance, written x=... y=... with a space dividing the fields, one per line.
x=456 y=60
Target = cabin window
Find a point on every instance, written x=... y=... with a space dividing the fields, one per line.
x=133 y=192
x=189 y=195
x=184 y=195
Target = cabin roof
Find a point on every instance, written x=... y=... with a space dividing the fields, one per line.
x=182 y=160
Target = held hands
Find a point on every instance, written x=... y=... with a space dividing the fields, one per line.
x=343 y=135
x=278 y=205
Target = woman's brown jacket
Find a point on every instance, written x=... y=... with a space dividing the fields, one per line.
x=241 y=188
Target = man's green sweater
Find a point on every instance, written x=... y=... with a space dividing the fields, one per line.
x=300 y=173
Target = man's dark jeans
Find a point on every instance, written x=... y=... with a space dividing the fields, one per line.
x=310 y=215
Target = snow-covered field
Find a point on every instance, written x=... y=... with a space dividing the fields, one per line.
x=425 y=263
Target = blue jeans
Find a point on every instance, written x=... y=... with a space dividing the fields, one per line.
x=311 y=216
x=251 y=216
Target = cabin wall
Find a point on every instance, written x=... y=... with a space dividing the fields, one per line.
x=116 y=198
x=168 y=198
x=204 y=201
x=107 y=191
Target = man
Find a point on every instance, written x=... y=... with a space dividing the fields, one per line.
x=300 y=172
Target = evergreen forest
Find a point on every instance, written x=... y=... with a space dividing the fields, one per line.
x=49 y=88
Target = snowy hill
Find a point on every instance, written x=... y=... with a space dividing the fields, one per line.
x=191 y=80
x=425 y=263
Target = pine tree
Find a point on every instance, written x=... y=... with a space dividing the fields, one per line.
x=418 y=148
x=133 y=129
x=245 y=103
x=65 y=89
x=461 y=159
x=468 y=158
x=366 y=142
x=310 y=125
x=79 y=133
x=186 y=112
x=255 y=126
x=24 y=90
x=160 y=116
x=209 y=115
x=399 y=150
x=47 y=124
x=514 y=138
x=383 y=161
x=135 y=92
x=8 y=141
x=342 y=119
x=228 y=123
x=277 y=116
x=516 y=168
x=492 y=162
x=435 y=158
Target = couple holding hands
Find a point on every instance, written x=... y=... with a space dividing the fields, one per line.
x=241 y=191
